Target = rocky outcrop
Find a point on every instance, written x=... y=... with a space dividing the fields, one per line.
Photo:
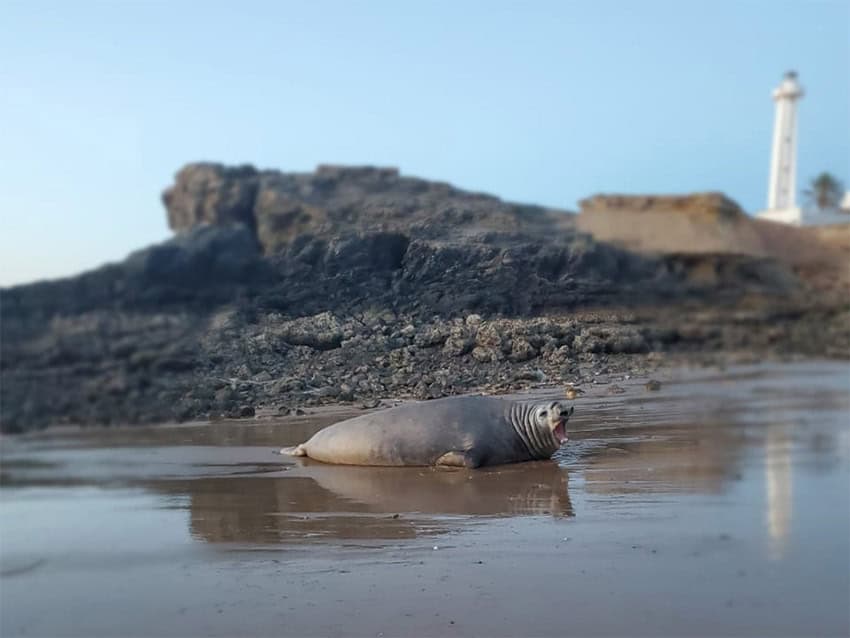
x=710 y=206
x=706 y=223
x=712 y=241
x=339 y=200
x=200 y=268
x=211 y=194
x=122 y=367
x=283 y=290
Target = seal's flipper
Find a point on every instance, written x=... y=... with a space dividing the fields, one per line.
x=297 y=450
x=458 y=459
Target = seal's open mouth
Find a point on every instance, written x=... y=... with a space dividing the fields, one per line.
x=560 y=432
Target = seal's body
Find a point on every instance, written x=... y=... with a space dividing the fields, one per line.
x=458 y=431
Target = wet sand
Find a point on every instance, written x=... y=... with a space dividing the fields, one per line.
x=719 y=505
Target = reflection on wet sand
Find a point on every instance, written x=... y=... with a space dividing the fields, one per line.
x=778 y=482
x=225 y=433
x=684 y=525
x=313 y=501
x=643 y=461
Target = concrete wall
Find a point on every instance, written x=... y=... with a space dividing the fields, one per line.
x=802 y=217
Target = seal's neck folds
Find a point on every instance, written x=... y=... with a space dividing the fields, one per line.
x=539 y=439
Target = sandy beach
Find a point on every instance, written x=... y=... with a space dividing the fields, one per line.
x=716 y=506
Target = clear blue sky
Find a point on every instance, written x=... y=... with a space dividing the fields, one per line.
x=543 y=102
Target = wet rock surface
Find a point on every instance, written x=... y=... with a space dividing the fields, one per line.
x=282 y=291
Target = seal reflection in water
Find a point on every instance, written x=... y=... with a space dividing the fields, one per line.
x=315 y=502
x=459 y=431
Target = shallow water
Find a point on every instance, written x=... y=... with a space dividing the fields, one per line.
x=717 y=506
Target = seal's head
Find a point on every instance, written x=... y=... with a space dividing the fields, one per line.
x=552 y=418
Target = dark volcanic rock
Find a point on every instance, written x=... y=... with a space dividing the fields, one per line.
x=204 y=267
x=356 y=284
x=220 y=255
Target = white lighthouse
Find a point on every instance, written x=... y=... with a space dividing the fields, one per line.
x=782 y=188
x=783 y=161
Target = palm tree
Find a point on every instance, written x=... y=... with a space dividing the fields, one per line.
x=824 y=192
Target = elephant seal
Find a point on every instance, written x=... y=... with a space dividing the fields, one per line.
x=458 y=431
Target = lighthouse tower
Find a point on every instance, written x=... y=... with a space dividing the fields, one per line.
x=782 y=188
x=783 y=161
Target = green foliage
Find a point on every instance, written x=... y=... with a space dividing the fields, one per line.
x=824 y=192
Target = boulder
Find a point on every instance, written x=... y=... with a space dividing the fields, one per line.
x=280 y=218
x=521 y=350
x=207 y=193
x=320 y=332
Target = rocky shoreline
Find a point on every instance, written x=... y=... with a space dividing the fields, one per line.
x=278 y=365
x=284 y=291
